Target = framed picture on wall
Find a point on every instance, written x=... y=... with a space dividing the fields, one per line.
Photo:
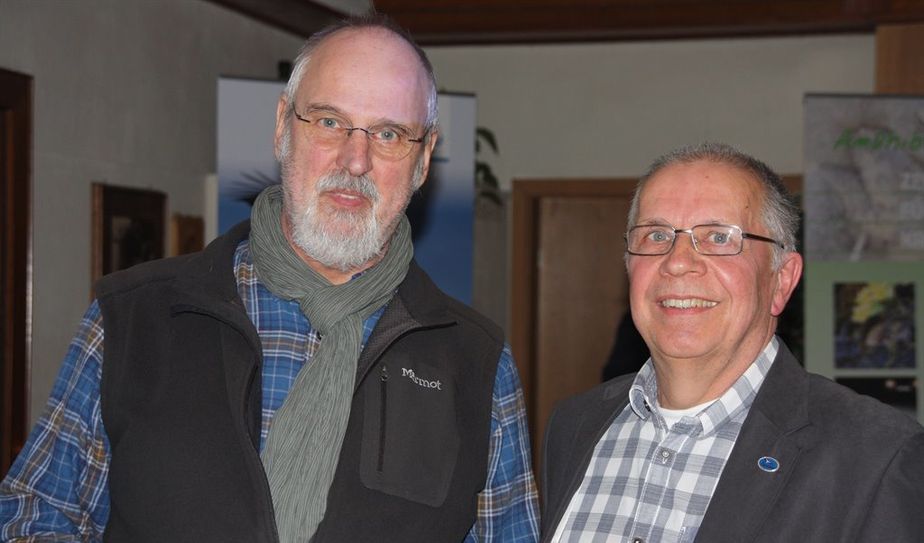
x=874 y=325
x=128 y=227
x=187 y=233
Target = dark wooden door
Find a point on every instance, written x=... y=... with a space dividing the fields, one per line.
x=15 y=181
x=568 y=287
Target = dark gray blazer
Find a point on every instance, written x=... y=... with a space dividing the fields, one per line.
x=851 y=468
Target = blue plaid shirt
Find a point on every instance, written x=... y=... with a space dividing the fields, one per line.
x=59 y=483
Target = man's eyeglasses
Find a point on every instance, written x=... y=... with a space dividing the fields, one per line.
x=708 y=239
x=329 y=130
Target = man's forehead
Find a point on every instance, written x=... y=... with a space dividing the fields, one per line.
x=703 y=176
x=367 y=69
x=705 y=187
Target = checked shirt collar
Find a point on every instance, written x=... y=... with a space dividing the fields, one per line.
x=644 y=393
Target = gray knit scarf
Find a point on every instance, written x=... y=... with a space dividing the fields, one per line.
x=303 y=446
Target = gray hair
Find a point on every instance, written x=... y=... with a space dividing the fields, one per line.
x=369 y=20
x=779 y=212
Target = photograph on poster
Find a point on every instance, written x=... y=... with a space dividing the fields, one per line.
x=900 y=393
x=874 y=325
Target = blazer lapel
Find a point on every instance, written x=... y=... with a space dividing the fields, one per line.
x=589 y=429
x=777 y=427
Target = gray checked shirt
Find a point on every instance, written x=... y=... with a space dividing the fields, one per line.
x=650 y=483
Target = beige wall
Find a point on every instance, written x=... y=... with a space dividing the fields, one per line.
x=607 y=109
x=124 y=93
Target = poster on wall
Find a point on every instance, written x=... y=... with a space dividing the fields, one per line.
x=863 y=197
x=864 y=178
x=441 y=212
x=245 y=159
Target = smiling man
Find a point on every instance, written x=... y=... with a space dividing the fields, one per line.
x=301 y=379
x=722 y=436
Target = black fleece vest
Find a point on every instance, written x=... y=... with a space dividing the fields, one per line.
x=181 y=399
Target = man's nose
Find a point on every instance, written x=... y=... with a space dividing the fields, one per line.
x=356 y=153
x=682 y=257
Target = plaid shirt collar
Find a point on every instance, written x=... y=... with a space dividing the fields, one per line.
x=643 y=395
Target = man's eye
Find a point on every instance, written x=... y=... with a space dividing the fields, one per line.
x=659 y=236
x=387 y=135
x=328 y=122
x=718 y=238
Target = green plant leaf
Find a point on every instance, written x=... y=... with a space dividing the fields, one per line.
x=482 y=133
x=484 y=176
x=485 y=181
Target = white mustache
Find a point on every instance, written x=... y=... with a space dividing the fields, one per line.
x=342 y=180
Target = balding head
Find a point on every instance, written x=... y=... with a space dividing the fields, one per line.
x=375 y=24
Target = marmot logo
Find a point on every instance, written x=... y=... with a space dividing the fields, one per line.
x=421 y=382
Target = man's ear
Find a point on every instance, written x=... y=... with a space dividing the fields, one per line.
x=786 y=280
x=428 y=145
x=280 y=125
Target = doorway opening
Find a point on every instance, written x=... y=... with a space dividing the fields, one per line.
x=15 y=257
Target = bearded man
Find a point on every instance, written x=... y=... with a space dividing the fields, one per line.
x=301 y=378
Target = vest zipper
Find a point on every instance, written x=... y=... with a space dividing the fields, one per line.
x=382 y=418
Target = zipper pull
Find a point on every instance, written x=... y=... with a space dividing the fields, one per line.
x=384 y=375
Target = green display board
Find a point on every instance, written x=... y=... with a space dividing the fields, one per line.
x=863 y=196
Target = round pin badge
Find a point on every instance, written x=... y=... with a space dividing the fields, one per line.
x=768 y=464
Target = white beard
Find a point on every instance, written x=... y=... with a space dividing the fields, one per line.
x=339 y=239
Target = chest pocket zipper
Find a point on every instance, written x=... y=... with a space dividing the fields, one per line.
x=410 y=440
x=383 y=419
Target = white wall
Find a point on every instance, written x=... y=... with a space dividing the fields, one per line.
x=608 y=109
x=124 y=92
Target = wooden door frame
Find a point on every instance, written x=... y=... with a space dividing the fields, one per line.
x=15 y=256
x=526 y=197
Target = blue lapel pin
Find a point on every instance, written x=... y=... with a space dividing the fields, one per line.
x=768 y=464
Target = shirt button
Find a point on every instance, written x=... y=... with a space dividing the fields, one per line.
x=665 y=456
x=638 y=540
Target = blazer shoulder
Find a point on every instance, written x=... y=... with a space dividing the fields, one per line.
x=604 y=394
x=841 y=410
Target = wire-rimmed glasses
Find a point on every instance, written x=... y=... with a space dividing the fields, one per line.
x=330 y=130
x=708 y=239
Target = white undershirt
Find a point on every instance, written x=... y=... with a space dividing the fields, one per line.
x=673 y=416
